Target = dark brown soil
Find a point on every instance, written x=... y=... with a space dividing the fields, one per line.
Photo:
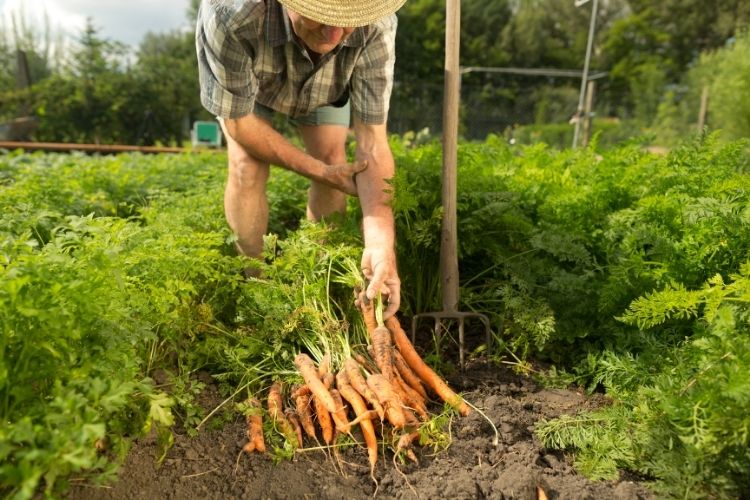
x=212 y=466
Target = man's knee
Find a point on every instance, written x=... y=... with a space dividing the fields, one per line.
x=247 y=173
x=332 y=154
x=326 y=143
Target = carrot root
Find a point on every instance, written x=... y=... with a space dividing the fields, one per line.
x=309 y=372
x=294 y=421
x=363 y=417
x=254 y=420
x=408 y=375
x=358 y=382
x=390 y=400
x=302 y=404
x=324 y=420
x=417 y=364
x=339 y=416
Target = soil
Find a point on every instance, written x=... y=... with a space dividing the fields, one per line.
x=211 y=465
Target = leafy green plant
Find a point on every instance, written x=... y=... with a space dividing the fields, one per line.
x=626 y=269
x=683 y=423
x=91 y=304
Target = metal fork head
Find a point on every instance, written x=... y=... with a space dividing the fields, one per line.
x=460 y=317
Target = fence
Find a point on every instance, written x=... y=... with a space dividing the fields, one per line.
x=530 y=107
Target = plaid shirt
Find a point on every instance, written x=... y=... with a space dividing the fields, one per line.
x=247 y=53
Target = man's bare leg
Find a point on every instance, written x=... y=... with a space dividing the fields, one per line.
x=245 y=200
x=326 y=143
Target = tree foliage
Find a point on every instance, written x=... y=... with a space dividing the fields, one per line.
x=726 y=74
x=645 y=47
x=102 y=93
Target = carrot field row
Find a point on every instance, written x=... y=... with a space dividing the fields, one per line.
x=625 y=272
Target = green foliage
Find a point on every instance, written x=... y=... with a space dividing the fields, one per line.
x=727 y=73
x=90 y=305
x=602 y=440
x=683 y=416
x=164 y=91
x=627 y=270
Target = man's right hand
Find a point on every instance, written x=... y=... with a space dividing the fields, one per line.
x=343 y=177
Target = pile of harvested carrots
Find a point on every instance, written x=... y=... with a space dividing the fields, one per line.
x=390 y=387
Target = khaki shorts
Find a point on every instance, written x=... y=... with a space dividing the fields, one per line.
x=327 y=115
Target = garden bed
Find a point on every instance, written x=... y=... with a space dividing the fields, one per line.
x=212 y=465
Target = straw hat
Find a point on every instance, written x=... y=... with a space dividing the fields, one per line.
x=344 y=13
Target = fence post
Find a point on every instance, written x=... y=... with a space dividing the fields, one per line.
x=704 y=110
x=588 y=113
x=585 y=75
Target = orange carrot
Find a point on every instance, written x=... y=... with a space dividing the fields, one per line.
x=424 y=372
x=339 y=417
x=293 y=419
x=368 y=315
x=407 y=374
x=309 y=372
x=365 y=363
x=301 y=390
x=324 y=419
x=369 y=415
x=360 y=409
x=404 y=444
x=254 y=421
x=276 y=412
x=275 y=405
x=380 y=338
x=410 y=397
x=391 y=402
x=406 y=440
x=358 y=382
x=382 y=350
x=302 y=403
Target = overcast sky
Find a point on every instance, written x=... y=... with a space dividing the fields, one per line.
x=119 y=20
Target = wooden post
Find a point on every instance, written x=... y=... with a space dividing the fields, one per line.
x=704 y=110
x=588 y=113
x=449 y=237
x=23 y=75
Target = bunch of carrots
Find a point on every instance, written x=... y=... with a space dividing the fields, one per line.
x=391 y=386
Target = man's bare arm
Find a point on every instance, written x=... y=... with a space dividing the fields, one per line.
x=378 y=226
x=261 y=141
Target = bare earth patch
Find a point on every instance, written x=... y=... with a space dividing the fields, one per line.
x=211 y=465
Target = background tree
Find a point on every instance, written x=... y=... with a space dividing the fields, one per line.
x=415 y=103
x=166 y=93
x=7 y=63
x=95 y=90
x=725 y=73
x=655 y=45
x=84 y=101
x=690 y=27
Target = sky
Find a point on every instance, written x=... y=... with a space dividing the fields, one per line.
x=124 y=21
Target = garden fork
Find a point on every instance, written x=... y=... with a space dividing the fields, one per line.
x=448 y=240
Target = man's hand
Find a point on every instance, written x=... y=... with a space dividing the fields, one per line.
x=343 y=177
x=379 y=267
